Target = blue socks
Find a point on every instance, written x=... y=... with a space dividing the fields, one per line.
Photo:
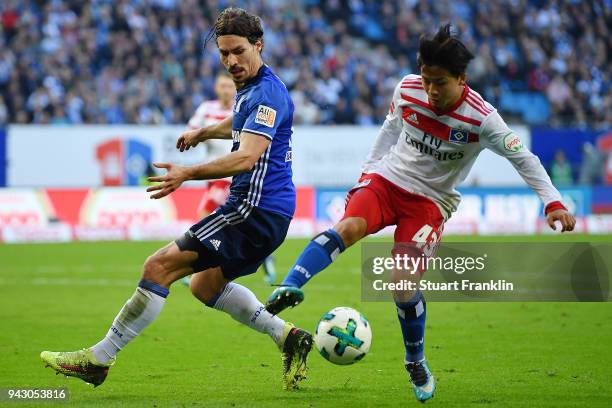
x=411 y=317
x=320 y=252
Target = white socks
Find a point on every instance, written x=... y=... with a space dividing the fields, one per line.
x=138 y=312
x=148 y=300
x=240 y=303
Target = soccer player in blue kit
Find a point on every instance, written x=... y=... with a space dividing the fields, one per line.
x=234 y=240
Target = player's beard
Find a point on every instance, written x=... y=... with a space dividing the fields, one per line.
x=241 y=78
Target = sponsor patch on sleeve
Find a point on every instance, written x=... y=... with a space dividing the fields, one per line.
x=265 y=116
x=513 y=143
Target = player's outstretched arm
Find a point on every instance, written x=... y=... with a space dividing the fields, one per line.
x=191 y=138
x=496 y=136
x=252 y=147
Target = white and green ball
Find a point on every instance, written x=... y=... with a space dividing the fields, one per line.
x=343 y=336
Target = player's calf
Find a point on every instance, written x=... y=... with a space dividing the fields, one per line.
x=322 y=250
x=351 y=230
x=141 y=309
x=318 y=254
x=242 y=305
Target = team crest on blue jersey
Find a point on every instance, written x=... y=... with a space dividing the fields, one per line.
x=458 y=136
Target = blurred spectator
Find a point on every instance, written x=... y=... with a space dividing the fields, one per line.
x=559 y=94
x=3 y=112
x=561 y=170
x=101 y=61
x=592 y=165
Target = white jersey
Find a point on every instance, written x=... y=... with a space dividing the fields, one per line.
x=209 y=113
x=429 y=152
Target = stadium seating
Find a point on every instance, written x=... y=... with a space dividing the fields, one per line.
x=67 y=61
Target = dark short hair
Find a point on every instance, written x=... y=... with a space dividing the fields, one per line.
x=445 y=51
x=237 y=21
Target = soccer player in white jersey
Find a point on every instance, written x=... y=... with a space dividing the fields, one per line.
x=207 y=114
x=435 y=129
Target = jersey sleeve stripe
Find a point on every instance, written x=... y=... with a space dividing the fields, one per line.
x=416 y=101
x=464 y=119
x=475 y=100
x=257 y=132
x=479 y=109
x=475 y=96
x=478 y=101
x=480 y=105
x=412 y=87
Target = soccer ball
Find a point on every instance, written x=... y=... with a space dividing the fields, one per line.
x=343 y=336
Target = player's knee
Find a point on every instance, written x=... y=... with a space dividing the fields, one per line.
x=351 y=230
x=199 y=291
x=153 y=269
x=206 y=286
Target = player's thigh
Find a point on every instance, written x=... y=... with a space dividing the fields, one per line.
x=419 y=224
x=369 y=201
x=169 y=264
x=417 y=236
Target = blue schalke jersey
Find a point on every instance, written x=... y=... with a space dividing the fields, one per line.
x=263 y=107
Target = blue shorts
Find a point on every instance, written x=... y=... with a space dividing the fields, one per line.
x=236 y=243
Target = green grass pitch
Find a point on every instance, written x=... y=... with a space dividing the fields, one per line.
x=64 y=297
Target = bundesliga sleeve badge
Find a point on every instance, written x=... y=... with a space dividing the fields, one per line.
x=265 y=116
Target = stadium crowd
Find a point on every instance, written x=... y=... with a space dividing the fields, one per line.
x=143 y=61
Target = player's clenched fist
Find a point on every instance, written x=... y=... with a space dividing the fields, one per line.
x=190 y=138
x=567 y=220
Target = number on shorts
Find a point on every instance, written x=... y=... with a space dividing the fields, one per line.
x=426 y=239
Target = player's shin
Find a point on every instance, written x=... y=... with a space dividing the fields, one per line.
x=411 y=315
x=242 y=305
x=138 y=312
x=318 y=254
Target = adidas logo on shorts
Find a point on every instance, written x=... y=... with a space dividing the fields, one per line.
x=216 y=243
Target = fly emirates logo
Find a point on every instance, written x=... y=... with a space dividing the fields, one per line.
x=430 y=145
